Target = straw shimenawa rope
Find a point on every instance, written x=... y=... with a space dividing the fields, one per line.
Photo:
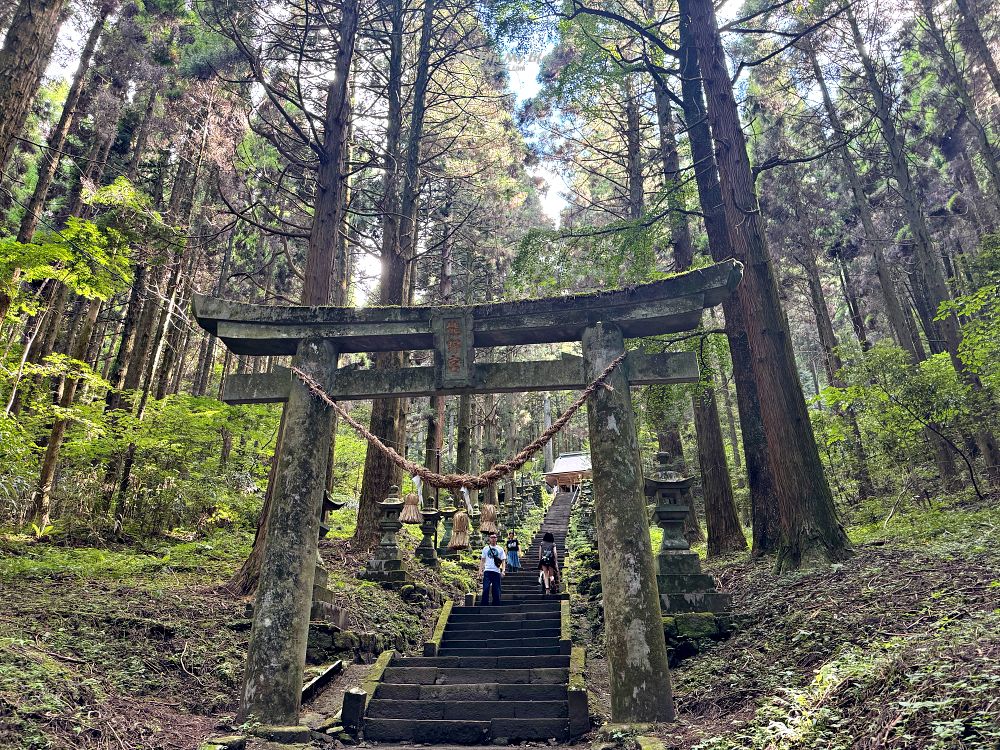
x=488 y=519
x=411 y=509
x=454 y=481
x=460 y=531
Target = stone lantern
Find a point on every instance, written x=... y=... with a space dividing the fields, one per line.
x=386 y=565
x=670 y=494
x=426 y=551
x=447 y=514
x=526 y=493
x=683 y=587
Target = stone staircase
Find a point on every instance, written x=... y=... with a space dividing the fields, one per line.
x=501 y=673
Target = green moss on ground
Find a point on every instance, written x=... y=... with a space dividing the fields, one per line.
x=898 y=647
x=137 y=647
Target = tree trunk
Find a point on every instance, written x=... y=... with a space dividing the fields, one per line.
x=633 y=150
x=893 y=307
x=734 y=442
x=832 y=364
x=43 y=493
x=463 y=450
x=142 y=137
x=680 y=232
x=547 y=457
x=398 y=231
x=853 y=305
x=725 y=534
x=763 y=498
x=824 y=326
x=23 y=59
x=809 y=526
x=320 y=260
x=973 y=40
x=951 y=76
x=50 y=157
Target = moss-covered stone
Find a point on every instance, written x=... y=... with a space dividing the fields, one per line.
x=577 y=665
x=697 y=625
x=283 y=734
x=615 y=731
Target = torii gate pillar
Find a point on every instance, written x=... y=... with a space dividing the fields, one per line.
x=276 y=655
x=633 y=625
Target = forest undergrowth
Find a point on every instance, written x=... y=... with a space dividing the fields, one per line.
x=898 y=647
x=138 y=646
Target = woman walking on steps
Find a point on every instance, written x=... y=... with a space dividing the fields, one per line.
x=513 y=552
x=548 y=562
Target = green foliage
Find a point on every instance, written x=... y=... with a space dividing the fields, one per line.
x=211 y=556
x=91 y=257
x=895 y=403
x=980 y=312
x=935 y=701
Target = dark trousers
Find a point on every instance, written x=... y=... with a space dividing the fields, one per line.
x=491 y=581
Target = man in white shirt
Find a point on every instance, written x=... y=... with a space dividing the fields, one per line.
x=492 y=564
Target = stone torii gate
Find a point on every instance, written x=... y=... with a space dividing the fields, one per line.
x=316 y=336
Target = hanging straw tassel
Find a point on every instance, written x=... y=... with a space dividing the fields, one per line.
x=411 y=509
x=460 y=531
x=488 y=520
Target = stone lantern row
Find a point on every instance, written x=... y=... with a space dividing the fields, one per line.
x=386 y=564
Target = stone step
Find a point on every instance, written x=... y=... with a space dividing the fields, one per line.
x=442 y=731
x=500 y=650
x=436 y=676
x=516 y=624
x=685 y=583
x=486 y=618
x=708 y=601
x=473 y=710
x=483 y=691
x=528 y=609
x=537 y=634
x=431 y=731
x=483 y=662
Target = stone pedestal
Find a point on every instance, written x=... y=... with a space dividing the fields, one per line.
x=386 y=565
x=637 y=652
x=426 y=551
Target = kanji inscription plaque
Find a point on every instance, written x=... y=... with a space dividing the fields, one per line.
x=453 y=350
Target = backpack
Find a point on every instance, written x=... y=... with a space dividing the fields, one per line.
x=548 y=559
x=494 y=555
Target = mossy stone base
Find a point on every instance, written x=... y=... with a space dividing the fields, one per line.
x=286 y=735
x=649 y=743
x=688 y=633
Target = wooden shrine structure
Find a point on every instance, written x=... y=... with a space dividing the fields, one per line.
x=316 y=336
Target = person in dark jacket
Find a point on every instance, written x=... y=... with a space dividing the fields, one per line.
x=548 y=562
